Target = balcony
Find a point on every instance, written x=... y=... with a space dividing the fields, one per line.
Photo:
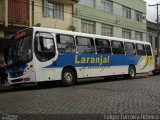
x=18 y=12
x=66 y=1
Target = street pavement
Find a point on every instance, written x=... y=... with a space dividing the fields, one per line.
x=89 y=99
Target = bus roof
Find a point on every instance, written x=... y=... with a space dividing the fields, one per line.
x=86 y=35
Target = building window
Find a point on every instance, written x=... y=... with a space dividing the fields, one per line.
x=53 y=10
x=138 y=36
x=138 y=16
x=107 y=5
x=87 y=27
x=107 y=30
x=126 y=33
x=90 y=3
x=126 y=12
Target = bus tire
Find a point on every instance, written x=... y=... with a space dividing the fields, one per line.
x=155 y=73
x=131 y=72
x=68 y=77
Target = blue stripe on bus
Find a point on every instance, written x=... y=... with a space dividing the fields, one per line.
x=82 y=60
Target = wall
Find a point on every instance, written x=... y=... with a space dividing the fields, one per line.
x=1 y=11
x=1 y=34
x=152 y=31
x=52 y=22
x=18 y=12
x=115 y=18
x=138 y=5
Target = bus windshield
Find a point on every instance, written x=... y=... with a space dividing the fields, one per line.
x=20 y=50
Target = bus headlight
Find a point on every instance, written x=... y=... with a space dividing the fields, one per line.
x=26 y=79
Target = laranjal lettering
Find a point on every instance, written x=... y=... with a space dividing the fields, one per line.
x=92 y=60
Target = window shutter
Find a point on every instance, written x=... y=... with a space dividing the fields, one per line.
x=45 y=8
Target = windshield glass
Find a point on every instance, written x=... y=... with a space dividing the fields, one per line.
x=20 y=48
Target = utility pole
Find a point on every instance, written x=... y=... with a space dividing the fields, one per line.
x=158 y=31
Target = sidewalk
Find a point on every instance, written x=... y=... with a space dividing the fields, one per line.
x=7 y=86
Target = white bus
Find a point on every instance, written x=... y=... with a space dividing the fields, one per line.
x=43 y=54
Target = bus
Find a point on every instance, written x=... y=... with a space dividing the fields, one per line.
x=40 y=54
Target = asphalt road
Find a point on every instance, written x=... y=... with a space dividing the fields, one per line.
x=91 y=99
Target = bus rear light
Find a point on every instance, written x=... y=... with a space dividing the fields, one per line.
x=27 y=79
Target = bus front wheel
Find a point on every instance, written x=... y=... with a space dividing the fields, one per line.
x=68 y=77
x=131 y=72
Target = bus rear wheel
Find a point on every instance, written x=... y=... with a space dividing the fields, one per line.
x=131 y=72
x=68 y=77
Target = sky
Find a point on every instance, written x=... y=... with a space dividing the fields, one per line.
x=152 y=11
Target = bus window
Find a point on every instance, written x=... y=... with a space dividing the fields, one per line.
x=103 y=46
x=65 y=43
x=117 y=47
x=148 y=50
x=44 y=46
x=140 y=49
x=129 y=48
x=85 y=45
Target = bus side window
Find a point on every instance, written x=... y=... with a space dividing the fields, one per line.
x=44 y=42
x=140 y=49
x=129 y=48
x=85 y=45
x=103 y=46
x=148 y=50
x=41 y=41
x=44 y=46
x=65 y=43
x=117 y=47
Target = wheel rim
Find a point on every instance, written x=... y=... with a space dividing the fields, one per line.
x=132 y=72
x=68 y=77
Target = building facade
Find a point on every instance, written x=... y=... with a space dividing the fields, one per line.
x=52 y=13
x=17 y=14
x=152 y=34
x=118 y=18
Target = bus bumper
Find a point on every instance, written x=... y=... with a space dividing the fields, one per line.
x=27 y=78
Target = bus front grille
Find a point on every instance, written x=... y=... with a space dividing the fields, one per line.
x=17 y=80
